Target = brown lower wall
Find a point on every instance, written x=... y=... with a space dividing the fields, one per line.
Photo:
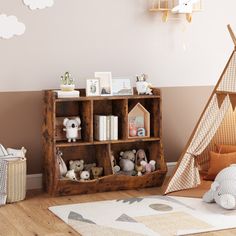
x=21 y=119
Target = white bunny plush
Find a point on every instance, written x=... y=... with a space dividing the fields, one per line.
x=72 y=128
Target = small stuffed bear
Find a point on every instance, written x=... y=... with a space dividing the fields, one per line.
x=77 y=165
x=127 y=159
x=72 y=128
x=223 y=189
x=71 y=175
x=84 y=175
x=97 y=172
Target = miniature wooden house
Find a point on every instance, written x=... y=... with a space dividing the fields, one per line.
x=138 y=122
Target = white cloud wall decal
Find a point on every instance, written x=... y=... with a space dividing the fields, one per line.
x=38 y=4
x=10 y=26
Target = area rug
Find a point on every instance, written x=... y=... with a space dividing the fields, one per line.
x=152 y=215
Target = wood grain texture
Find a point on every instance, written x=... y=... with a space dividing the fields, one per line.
x=89 y=150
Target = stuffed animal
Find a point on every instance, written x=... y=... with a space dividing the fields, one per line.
x=88 y=167
x=84 y=175
x=77 y=165
x=97 y=172
x=149 y=167
x=115 y=167
x=71 y=175
x=223 y=189
x=72 y=128
x=61 y=163
x=139 y=169
x=140 y=156
x=127 y=159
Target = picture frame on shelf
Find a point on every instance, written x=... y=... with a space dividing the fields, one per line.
x=105 y=79
x=121 y=86
x=92 y=87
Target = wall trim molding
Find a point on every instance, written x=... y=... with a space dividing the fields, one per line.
x=35 y=181
x=171 y=167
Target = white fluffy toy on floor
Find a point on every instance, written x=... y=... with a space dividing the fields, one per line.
x=223 y=189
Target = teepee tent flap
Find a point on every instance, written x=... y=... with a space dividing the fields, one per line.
x=186 y=174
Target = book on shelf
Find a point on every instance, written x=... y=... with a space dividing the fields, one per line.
x=114 y=128
x=105 y=127
x=100 y=127
x=67 y=94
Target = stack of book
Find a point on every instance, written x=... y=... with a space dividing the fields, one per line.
x=67 y=94
x=105 y=127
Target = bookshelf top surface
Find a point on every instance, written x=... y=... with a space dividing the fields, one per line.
x=83 y=97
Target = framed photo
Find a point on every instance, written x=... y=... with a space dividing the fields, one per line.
x=105 y=79
x=121 y=87
x=92 y=87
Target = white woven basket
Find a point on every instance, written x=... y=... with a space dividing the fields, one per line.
x=16 y=180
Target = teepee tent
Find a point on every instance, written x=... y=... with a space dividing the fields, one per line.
x=217 y=124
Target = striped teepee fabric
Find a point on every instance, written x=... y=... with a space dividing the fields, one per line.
x=216 y=125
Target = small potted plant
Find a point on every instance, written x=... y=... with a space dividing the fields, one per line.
x=67 y=82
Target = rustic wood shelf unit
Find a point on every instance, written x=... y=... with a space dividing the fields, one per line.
x=91 y=150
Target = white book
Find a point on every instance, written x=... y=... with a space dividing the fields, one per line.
x=99 y=127
x=108 y=127
x=114 y=127
x=67 y=94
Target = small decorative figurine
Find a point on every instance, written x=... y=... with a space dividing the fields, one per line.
x=72 y=128
x=143 y=87
x=67 y=82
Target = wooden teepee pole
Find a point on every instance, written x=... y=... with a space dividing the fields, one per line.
x=232 y=34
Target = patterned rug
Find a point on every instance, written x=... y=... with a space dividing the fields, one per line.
x=152 y=215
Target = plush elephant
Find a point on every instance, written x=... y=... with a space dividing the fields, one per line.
x=223 y=189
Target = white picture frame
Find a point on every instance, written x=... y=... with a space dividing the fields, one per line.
x=122 y=87
x=105 y=79
x=92 y=87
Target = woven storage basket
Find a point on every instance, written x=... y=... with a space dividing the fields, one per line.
x=16 y=180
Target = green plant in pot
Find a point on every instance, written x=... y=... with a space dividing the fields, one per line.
x=67 y=82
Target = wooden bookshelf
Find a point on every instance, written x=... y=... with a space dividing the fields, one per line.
x=91 y=150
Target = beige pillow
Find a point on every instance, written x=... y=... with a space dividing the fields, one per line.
x=218 y=162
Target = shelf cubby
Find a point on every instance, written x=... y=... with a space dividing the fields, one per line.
x=91 y=150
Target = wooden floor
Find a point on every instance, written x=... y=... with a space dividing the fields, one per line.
x=31 y=217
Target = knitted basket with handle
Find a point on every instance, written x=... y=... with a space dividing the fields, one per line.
x=16 y=179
